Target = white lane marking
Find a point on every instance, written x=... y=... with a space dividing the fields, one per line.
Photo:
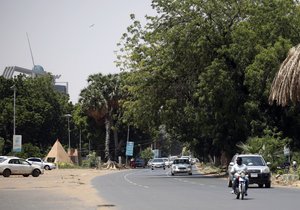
x=186 y=181
x=133 y=183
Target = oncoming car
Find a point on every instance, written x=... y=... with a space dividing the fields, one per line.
x=181 y=165
x=17 y=166
x=158 y=163
x=258 y=170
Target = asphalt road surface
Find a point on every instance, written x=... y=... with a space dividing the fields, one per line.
x=146 y=189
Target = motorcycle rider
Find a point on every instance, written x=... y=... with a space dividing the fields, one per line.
x=237 y=168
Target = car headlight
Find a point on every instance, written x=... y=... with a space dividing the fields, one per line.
x=266 y=170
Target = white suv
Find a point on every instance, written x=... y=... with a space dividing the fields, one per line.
x=258 y=170
x=44 y=164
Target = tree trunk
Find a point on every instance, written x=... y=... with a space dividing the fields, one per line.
x=107 y=138
x=115 y=131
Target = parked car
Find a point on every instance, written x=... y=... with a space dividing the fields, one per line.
x=44 y=164
x=181 y=165
x=17 y=166
x=258 y=170
x=158 y=163
x=139 y=162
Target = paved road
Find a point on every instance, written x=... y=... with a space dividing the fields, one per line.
x=144 y=189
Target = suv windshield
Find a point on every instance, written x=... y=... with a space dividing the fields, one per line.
x=253 y=161
x=182 y=161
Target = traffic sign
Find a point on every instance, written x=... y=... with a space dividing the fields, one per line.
x=129 y=148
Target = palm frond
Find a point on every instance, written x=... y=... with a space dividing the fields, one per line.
x=286 y=84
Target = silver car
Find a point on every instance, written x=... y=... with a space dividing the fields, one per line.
x=17 y=166
x=158 y=163
x=43 y=164
x=258 y=170
x=181 y=165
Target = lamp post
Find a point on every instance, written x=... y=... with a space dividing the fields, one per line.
x=68 y=118
x=15 y=89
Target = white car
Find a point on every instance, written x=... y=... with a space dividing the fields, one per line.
x=44 y=164
x=158 y=163
x=181 y=165
x=167 y=162
x=172 y=158
x=17 y=166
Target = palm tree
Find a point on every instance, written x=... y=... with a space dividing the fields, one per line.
x=100 y=101
x=286 y=84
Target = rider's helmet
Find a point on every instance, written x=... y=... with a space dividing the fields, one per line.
x=239 y=161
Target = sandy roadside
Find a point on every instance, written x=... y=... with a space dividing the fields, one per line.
x=71 y=182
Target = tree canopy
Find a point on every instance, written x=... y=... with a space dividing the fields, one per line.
x=204 y=68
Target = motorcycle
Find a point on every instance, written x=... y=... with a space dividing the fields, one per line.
x=240 y=189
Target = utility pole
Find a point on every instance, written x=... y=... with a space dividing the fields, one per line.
x=14 y=117
x=69 y=136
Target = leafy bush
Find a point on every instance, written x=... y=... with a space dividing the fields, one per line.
x=147 y=154
x=270 y=146
x=91 y=161
x=28 y=150
x=62 y=165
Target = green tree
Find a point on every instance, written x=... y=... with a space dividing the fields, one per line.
x=209 y=64
x=100 y=100
x=39 y=111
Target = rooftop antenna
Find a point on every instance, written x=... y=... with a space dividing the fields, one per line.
x=30 y=49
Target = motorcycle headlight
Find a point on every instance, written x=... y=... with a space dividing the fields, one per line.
x=266 y=170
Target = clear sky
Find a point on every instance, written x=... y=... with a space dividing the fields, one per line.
x=71 y=38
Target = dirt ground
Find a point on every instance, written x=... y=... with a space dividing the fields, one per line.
x=72 y=182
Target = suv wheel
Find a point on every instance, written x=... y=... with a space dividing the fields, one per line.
x=47 y=167
x=268 y=185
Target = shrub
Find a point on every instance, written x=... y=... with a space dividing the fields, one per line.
x=91 y=161
x=62 y=165
x=270 y=146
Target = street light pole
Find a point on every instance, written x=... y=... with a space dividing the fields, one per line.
x=68 y=118
x=14 y=121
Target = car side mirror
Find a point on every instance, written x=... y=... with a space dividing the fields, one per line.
x=231 y=164
x=268 y=163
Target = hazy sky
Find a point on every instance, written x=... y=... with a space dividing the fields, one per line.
x=71 y=38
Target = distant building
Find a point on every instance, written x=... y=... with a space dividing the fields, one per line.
x=36 y=71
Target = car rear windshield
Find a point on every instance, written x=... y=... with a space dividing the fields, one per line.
x=254 y=161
